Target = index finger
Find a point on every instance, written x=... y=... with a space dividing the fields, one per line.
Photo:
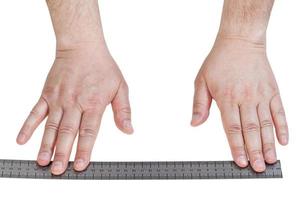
x=36 y=116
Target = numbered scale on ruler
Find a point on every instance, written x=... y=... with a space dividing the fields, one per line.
x=140 y=170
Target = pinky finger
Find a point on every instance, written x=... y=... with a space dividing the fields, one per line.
x=278 y=115
x=36 y=116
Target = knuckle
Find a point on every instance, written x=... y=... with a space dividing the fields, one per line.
x=283 y=129
x=68 y=100
x=66 y=130
x=227 y=93
x=83 y=152
x=126 y=110
x=276 y=97
x=94 y=101
x=43 y=99
x=198 y=105
x=25 y=129
x=255 y=152
x=46 y=147
x=234 y=129
x=266 y=123
x=199 y=80
x=60 y=156
x=47 y=91
x=34 y=113
x=49 y=94
x=266 y=89
x=272 y=88
x=123 y=112
x=196 y=82
x=248 y=92
x=125 y=86
x=280 y=112
x=251 y=127
x=87 y=132
x=66 y=96
x=51 y=126
x=268 y=146
x=238 y=150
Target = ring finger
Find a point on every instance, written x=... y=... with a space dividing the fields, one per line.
x=251 y=133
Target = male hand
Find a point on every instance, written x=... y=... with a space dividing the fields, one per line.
x=237 y=75
x=82 y=82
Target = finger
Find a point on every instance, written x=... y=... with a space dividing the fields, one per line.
x=202 y=103
x=66 y=134
x=121 y=109
x=267 y=135
x=89 y=128
x=49 y=138
x=251 y=133
x=232 y=126
x=36 y=116
x=279 y=119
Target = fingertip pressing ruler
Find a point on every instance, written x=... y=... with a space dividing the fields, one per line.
x=139 y=170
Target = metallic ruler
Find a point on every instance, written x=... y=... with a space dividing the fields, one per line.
x=139 y=170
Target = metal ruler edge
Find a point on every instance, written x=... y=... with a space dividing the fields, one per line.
x=139 y=170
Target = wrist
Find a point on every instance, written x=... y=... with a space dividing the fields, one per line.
x=66 y=48
x=76 y=42
x=246 y=19
x=76 y=22
x=244 y=39
x=250 y=33
x=239 y=43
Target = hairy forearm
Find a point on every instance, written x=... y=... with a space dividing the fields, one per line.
x=246 y=19
x=75 y=21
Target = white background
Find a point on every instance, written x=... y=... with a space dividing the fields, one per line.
x=159 y=45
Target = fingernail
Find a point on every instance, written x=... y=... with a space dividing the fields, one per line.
x=57 y=166
x=127 y=124
x=270 y=156
x=259 y=165
x=80 y=164
x=242 y=161
x=284 y=139
x=44 y=156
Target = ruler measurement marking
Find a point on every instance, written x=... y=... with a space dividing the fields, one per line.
x=139 y=170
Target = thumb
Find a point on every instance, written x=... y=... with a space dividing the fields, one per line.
x=121 y=109
x=202 y=102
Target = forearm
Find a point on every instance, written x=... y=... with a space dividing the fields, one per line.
x=76 y=22
x=247 y=19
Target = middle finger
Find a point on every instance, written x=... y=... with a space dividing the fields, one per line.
x=251 y=133
x=65 y=139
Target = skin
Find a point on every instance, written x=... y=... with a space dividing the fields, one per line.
x=83 y=80
x=238 y=76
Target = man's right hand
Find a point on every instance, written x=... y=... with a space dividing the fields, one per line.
x=84 y=79
x=81 y=83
